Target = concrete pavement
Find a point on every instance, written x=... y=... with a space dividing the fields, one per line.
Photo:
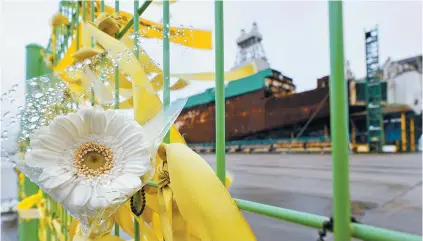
x=385 y=190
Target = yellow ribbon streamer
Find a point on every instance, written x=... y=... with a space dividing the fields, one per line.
x=171 y=212
x=212 y=220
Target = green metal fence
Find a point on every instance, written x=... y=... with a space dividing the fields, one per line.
x=344 y=229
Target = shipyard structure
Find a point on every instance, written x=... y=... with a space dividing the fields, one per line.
x=264 y=113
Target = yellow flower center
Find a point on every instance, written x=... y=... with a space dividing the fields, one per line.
x=93 y=159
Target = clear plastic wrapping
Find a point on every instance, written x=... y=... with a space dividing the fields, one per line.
x=90 y=159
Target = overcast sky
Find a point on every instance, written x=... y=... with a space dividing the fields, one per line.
x=295 y=34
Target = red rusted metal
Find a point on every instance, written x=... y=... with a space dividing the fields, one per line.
x=252 y=113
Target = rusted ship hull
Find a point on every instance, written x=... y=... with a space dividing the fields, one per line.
x=252 y=113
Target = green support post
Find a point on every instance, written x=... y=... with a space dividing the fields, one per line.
x=102 y=6
x=339 y=125
x=137 y=55
x=92 y=18
x=84 y=11
x=117 y=76
x=28 y=229
x=116 y=100
x=125 y=29
x=220 y=92
x=92 y=97
x=77 y=25
x=166 y=60
x=136 y=28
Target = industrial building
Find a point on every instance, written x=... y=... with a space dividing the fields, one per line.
x=265 y=113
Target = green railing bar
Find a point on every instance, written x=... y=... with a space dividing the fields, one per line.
x=116 y=102
x=64 y=45
x=28 y=229
x=48 y=209
x=117 y=76
x=220 y=92
x=137 y=55
x=136 y=29
x=152 y=184
x=102 y=6
x=140 y=11
x=92 y=17
x=92 y=99
x=117 y=7
x=116 y=90
x=84 y=11
x=166 y=61
x=55 y=45
x=361 y=231
x=339 y=125
x=306 y=219
x=371 y=233
x=64 y=224
x=77 y=25
x=60 y=33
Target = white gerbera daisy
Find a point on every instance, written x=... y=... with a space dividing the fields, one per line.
x=90 y=160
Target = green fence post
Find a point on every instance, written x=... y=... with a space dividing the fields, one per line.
x=117 y=76
x=84 y=11
x=125 y=29
x=339 y=125
x=77 y=25
x=137 y=55
x=92 y=96
x=101 y=5
x=166 y=60
x=116 y=93
x=220 y=92
x=28 y=229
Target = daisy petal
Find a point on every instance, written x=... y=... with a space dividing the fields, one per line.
x=79 y=196
x=126 y=130
x=42 y=158
x=110 y=114
x=98 y=199
x=63 y=129
x=34 y=141
x=127 y=184
x=87 y=115
x=61 y=192
x=130 y=140
x=41 y=130
x=113 y=196
x=99 y=122
x=56 y=180
x=79 y=123
x=53 y=171
x=115 y=125
x=141 y=149
x=137 y=166
x=52 y=142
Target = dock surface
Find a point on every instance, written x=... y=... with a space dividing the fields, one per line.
x=386 y=190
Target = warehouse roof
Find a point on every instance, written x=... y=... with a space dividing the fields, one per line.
x=233 y=88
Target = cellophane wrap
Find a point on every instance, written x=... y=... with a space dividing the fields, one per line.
x=89 y=158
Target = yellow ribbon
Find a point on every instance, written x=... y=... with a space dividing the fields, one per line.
x=184 y=207
x=165 y=201
x=195 y=190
